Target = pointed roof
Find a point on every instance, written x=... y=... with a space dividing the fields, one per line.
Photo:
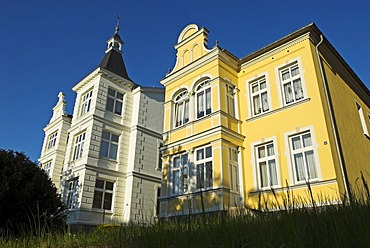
x=113 y=60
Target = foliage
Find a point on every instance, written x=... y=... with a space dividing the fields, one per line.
x=28 y=199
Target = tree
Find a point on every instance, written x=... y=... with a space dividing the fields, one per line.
x=28 y=198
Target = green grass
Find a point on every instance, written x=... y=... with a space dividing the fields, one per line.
x=333 y=225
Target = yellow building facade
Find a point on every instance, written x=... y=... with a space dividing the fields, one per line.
x=286 y=124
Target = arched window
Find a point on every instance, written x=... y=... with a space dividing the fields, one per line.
x=181 y=108
x=203 y=93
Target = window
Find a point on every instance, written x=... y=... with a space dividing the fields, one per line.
x=266 y=165
x=203 y=93
x=159 y=155
x=72 y=194
x=47 y=168
x=103 y=194
x=303 y=157
x=109 y=145
x=78 y=147
x=204 y=168
x=180 y=174
x=52 y=140
x=291 y=83
x=259 y=96
x=114 y=101
x=233 y=169
x=86 y=102
x=181 y=109
x=362 y=119
x=157 y=206
x=230 y=91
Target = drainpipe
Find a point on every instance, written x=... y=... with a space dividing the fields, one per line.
x=331 y=114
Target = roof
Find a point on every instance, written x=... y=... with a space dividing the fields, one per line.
x=113 y=61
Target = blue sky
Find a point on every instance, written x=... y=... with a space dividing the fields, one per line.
x=49 y=46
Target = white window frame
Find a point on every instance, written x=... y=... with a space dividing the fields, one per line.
x=52 y=140
x=47 y=167
x=78 y=145
x=282 y=82
x=181 y=109
x=112 y=141
x=104 y=192
x=233 y=170
x=259 y=94
x=265 y=160
x=204 y=177
x=180 y=184
x=115 y=96
x=230 y=99
x=203 y=89
x=86 y=102
x=303 y=150
x=362 y=119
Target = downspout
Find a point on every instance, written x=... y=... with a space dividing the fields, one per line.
x=336 y=139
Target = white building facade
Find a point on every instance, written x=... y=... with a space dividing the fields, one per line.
x=106 y=159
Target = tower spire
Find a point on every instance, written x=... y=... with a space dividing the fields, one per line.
x=117 y=25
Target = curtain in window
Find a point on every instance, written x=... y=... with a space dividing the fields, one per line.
x=256 y=104
x=298 y=91
x=310 y=161
x=200 y=107
x=264 y=175
x=299 y=164
x=175 y=181
x=265 y=103
x=186 y=112
x=288 y=93
x=200 y=176
x=184 y=179
x=209 y=174
x=272 y=172
x=179 y=114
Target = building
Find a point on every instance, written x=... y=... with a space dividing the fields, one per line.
x=105 y=157
x=284 y=125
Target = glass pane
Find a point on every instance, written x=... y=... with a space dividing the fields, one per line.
x=111 y=92
x=209 y=174
x=254 y=88
x=310 y=161
x=99 y=184
x=179 y=114
x=288 y=92
x=119 y=96
x=104 y=145
x=98 y=198
x=296 y=142
x=298 y=91
x=108 y=201
x=118 y=108
x=270 y=149
x=299 y=165
x=265 y=103
x=263 y=85
x=261 y=152
x=200 y=154
x=256 y=104
x=264 y=176
x=110 y=103
x=109 y=185
x=105 y=135
x=295 y=70
x=115 y=138
x=272 y=172
x=200 y=176
x=307 y=140
x=285 y=74
x=175 y=181
x=208 y=101
x=208 y=152
x=176 y=162
x=184 y=159
x=113 y=151
x=200 y=106
x=186 y=112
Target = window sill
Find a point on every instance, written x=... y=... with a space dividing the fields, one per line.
x=108 y=159
x=99 y=210
x=278 y=109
